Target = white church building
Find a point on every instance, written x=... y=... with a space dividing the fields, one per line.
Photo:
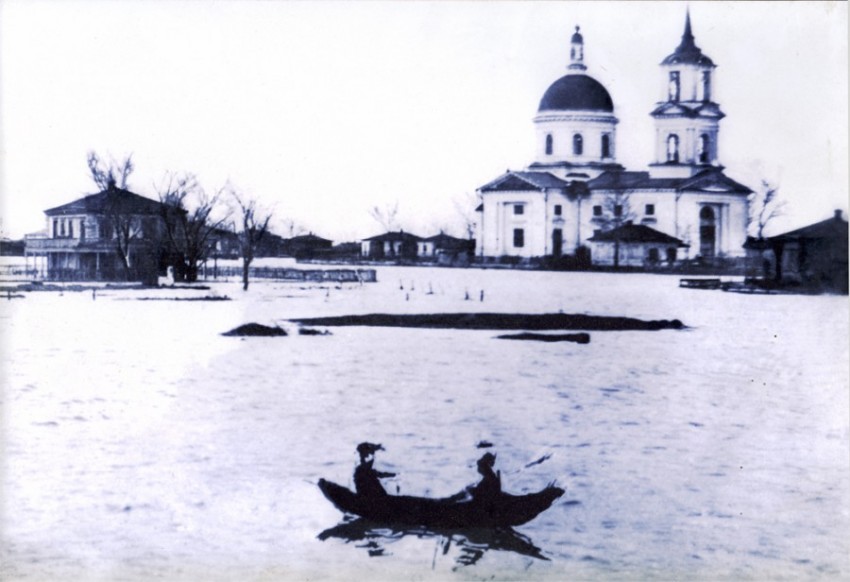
x=575 y=196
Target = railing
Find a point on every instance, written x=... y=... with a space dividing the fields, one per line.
x=36 y=245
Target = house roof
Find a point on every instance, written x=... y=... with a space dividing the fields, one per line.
x=309 y=238
x=831 y=228
x=395 y=236
x=513 y=181
x=107 y=200
x=708 y=180
x=636 y=233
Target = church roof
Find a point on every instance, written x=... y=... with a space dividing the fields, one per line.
x=513 y=181
x=687 y=52
x=576 y=92
x=636 y=233
x=103 y=202
x=703 y=109
x=709 y=180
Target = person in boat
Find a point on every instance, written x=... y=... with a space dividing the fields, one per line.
x=366 y=478
x=490 y=485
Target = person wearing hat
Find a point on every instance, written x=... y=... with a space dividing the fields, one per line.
x=367 y=479
x=490 y=485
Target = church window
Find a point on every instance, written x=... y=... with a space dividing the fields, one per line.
x=606 y=145
x=597 y=211
x=55 y=228
x=519 y=209
x=650 y=210
x=62 y=228
x=673 y=87
x=548 y=144
x=704 y=144
x=673 y=148
x=706 y=85
x=558 y=210
x=71 y=229
x=519 y=237
x=618 y=210
x=578 y=144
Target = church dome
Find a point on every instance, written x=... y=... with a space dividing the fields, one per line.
x=576 y=92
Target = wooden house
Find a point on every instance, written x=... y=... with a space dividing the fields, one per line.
x=114 y=235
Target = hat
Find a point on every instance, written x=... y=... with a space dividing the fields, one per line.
x=368 y=448
x=488 y=459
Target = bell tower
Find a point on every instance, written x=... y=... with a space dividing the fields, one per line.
x=687 y=120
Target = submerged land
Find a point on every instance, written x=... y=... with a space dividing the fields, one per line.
x=497 y=321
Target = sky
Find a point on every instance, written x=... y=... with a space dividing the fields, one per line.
x=324 y=110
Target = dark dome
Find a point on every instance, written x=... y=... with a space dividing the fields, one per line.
x=576 y=92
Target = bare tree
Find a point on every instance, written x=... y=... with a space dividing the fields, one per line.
x=254 y=224
x=111 y=174
x=616 y=212
x=188 y=213
x=292 y=227
x=123 y=224
x=387 y=217
x=466 y=206
x=765 y=205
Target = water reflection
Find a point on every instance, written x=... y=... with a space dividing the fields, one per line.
x=472 y=543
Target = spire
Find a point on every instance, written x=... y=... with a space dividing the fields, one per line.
x=687 y=52
x=687 y=43
x=577 y=51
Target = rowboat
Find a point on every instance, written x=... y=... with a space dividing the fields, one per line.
x=502 y=510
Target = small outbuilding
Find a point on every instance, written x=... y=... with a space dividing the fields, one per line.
x=306 y=246
x=391 y=245
x=634 y=245
x=814 y=256
x=444 y=245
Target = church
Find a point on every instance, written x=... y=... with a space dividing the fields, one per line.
x=575 y=199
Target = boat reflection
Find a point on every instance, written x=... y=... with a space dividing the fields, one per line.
x=472 y=543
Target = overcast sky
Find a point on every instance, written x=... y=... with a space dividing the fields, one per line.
x=322 y=110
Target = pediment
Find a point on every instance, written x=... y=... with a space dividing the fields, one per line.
x=716 y=182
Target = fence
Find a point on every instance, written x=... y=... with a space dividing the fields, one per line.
x=16 y=272
x=290 y=274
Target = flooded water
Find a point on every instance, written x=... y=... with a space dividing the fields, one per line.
x=140 y=443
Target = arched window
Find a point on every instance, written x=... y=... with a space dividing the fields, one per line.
x=548 y=144
x=606 y=145
x=578 y=144
x=673 y=88
x=706 y=85
x=673 y=148
x=704 y=149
